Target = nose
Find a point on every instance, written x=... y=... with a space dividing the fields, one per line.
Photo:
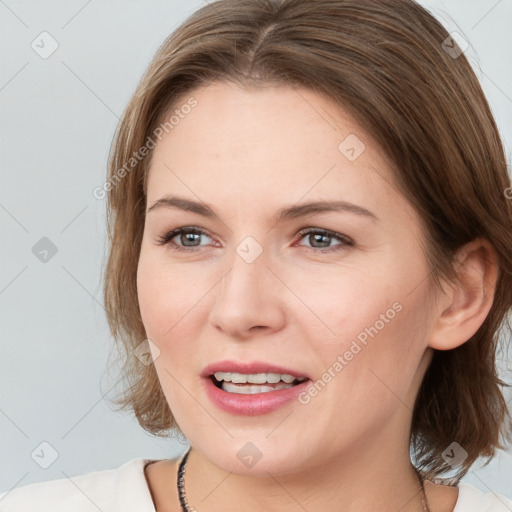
x=249 y=299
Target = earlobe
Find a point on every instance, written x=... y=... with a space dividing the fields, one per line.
x=463 y=309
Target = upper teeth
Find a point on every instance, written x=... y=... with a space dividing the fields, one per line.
x=256 y=378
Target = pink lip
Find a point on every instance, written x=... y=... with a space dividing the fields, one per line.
x=252 y=367
x=252 y=405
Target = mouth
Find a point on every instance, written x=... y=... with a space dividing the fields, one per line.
x=252 y=384
x=252 y=388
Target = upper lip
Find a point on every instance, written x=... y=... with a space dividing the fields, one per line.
x=249 y=368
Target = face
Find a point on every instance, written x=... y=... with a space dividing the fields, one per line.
x=339 y=296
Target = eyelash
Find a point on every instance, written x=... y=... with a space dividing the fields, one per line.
x=166 y=239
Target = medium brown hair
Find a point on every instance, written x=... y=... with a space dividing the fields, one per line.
x=387 y=63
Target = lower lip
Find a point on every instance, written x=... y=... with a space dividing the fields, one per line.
x=251 y=405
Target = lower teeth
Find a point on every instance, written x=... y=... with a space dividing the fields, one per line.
x=245 y=389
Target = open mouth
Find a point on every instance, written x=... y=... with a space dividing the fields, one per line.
x=225 y=383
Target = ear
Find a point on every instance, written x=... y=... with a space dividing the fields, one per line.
x=463 y=309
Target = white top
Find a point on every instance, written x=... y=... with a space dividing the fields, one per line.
x=124 y=489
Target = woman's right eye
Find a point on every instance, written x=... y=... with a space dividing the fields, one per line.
x=184 y=235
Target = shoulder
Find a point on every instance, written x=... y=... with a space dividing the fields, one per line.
x=472 y=499
x=120 y=489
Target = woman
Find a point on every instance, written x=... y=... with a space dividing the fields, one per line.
x=340 y=164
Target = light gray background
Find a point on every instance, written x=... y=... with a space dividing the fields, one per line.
x=57 y=121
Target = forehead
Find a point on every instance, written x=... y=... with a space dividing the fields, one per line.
x=279 y=142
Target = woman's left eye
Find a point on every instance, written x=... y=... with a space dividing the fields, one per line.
x=192 y=235
x=321 y=235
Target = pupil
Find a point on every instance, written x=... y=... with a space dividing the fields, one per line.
x=189 y=237
x=318 y=238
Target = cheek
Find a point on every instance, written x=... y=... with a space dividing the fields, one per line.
x=381 y=356
x=160 y=302
x=345 y=305
x=372 y=326
x=367 y=373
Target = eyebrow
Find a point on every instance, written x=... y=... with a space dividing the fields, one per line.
x=287 y=213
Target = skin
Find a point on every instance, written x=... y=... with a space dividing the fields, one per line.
x=248 y=153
